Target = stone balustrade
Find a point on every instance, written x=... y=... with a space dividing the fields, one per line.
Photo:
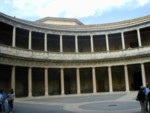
x=30 y=54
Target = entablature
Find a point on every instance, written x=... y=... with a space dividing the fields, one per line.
x=73 y=29
x=15 y=61
x=58 y=56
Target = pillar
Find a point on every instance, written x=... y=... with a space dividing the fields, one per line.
x=94 y=80
x=30 y=40
x=30 y=82
x=122 y=39
x=14 y=37
x=110 y=79
x=62 y=81
x=143 y=75
x=139 y=37
x=92 y=47
x=76 y=44
x=61 y=44
x=126 y=78
x=107 y=43
x=45 y=42
x=78 y=81
x=46 y=82
x=13 y=78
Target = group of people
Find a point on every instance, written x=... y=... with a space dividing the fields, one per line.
x=10 y=98
x=143 y=97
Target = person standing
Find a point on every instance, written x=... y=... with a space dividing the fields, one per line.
x=141 y=99
x=4 y=101
x=147 y=90
x=10 y=98
x=1 y=99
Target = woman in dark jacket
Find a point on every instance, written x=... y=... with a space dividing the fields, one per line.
x=141 y=99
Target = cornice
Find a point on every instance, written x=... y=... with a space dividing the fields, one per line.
x=81 y=28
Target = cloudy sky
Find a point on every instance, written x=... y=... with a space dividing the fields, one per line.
x=86 y=11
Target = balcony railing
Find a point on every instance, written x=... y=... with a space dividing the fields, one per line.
x=42 y=55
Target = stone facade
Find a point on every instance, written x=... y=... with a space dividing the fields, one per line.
x=38 y=59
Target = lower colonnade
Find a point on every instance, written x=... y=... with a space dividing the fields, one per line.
x=37 y=81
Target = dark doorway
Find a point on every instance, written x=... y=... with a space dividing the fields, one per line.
x=70 y=84
x=137 y=80
x=101 y=86
x=67 y=85
x=135 y=76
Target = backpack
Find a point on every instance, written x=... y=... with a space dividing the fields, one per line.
x=140 y=96
x=10 y=97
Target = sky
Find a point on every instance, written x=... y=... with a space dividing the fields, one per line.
x=89 y=12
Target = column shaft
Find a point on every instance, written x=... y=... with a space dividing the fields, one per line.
x=92 y=47
x=78 y=81
x=122 y=39
x=94 y=80
x=139 y=38
x=45 y=42
x=30 y=40
x=13 y=78
x=143 y=75
x=62 y=81
x=61 y=44
x=107 y=43
x=14 y=37
x=126 y=78
x=46 y=82
x=30 y=82
x=110 y=79
x=76 y=44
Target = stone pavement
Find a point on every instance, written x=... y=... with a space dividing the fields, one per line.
x=120 y=102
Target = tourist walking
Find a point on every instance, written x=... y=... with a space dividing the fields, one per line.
x=141 y=99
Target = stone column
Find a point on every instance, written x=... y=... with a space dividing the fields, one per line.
x=30 y=40
x=94 y=80
x=92 y=46
x=14 y=37
x=110 y=79
x=76 y=44
x=13 y=78
x=126 y=78
x=61 y=44
x=30 y=82
x=46 y=82
x=78 y=81
x=62 y=81
x=122 y=39
x=45 y=42
x=107 y=42
x=139 y=37
x=143 y=74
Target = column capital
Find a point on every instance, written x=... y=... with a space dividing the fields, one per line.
x=137 y=28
